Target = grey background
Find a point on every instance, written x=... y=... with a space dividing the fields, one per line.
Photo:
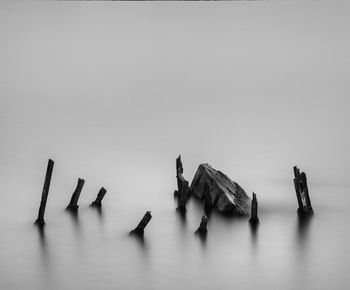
x=113 y=92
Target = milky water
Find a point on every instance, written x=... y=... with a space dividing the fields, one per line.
x=113 y=92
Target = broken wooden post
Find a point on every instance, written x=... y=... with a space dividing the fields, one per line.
x=302 y=192
x=179 y=168
x=100 y=196
x=179 y=172
x=254 y=211
x=40 y=220
x=142 y=224
x=73 y=204
x=203 y=225
x=183 y=194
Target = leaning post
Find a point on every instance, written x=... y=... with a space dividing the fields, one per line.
x=73 y=204
x=40 y=220
x=142 y=224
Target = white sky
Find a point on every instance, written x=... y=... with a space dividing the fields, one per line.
x=251 y=87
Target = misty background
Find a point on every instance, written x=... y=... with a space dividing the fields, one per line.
x=114 y=92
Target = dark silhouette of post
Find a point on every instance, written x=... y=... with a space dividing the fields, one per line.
x=183 y=194
x=203 y=225
x=73 y=204
x=142 y=224
x=179 y=176
x=302 y=192
x=179 y=168
x=40 y=220
x=183 y=191
x=100 y=196
x=254 y=211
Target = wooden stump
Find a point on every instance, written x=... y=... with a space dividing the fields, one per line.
x=40 y=220
x=254 y=219
x=203 y=225
x=142 y=224
x=183 y=193
x=73 y=204
x=302 y=192
x=100 y=196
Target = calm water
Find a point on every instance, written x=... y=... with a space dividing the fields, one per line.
x=94 y=251
x=113 y=92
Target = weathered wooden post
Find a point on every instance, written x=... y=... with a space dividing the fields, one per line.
x=182 y=192
x=142 y=224
x=254 y=211
x=179 y=168
x=302 y=192
x=73 y=204
x=183 y=195
x=203 y=225
x=40 y=220
x=100 y=196
x=179 y=172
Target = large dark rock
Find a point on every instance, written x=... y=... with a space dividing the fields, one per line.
x=225 y=195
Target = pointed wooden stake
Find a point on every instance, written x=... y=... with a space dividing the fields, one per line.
x=40 y=220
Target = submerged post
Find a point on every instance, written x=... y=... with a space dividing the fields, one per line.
x=40 y=220
x=179 y=168
x=100 y=196
x=254 y=211
x=73 y=204
x=183 y=195
x=302 y=192
x=183 y=190
x=142 y=224
x=179 y=172
x=203 y=225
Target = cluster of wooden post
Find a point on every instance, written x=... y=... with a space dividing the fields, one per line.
x=300 y=183
x=182 y=194
x=73 y=204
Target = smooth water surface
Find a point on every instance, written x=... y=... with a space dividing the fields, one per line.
x=113 y=92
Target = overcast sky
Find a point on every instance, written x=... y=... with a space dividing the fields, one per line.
x=252 y=88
